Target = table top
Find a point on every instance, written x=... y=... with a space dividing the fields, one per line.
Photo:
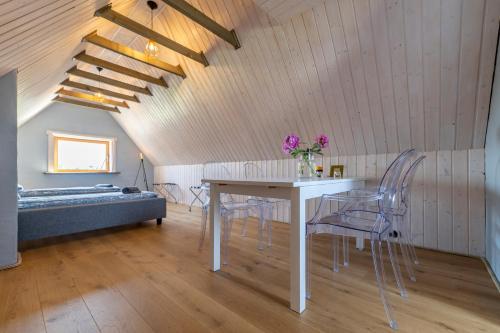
x=281 y=182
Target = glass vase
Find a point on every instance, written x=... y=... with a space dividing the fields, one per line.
x=306 y=166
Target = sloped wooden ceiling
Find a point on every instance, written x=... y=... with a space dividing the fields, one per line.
x=39 y=38
x=377 y=76
x=283 y=10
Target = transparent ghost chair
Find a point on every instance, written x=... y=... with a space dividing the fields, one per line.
x=229 y=206
x=375 y=226
x=351 y=201
x=401 y=220
x=265 y=206
x=217 y=170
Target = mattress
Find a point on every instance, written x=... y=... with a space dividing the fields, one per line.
x=43 y=192
x=80 y=199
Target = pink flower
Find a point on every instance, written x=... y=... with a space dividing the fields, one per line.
x=322 y=140
x=290 y=142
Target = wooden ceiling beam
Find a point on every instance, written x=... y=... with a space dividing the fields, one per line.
x=92 y=98
x=129 y=24
x=126 y=51
x=91 y=76
x=199 y=17
x=84 y=57
x=86 y=104
x=89 y=88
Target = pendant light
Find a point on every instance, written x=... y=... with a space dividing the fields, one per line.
x=152 y=50
x=99 y=94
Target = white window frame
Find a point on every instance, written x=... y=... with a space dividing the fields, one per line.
x=51 y=135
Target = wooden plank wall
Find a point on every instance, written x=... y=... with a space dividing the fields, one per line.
x=283 y=10
x=447 y=202
x=378 y=76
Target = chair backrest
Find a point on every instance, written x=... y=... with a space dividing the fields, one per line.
x=215 y=170
x=252 y=170
x=408 y=181
x=389 y=184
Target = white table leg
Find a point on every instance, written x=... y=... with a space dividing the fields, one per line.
x=297 y=251
x=214 y=212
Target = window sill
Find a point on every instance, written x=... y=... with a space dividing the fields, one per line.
x=81 y=173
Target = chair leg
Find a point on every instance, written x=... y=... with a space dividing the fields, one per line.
x=269 y=226
x=335 y=245
x=411 y=248
x=393 y=256
x=204 y=216
x=413 y=253
x=262 y=221
x=244 y=227
x=345 y=243
x=378 y=264
x=404 y=245
x=309 y=265
x=227 y=222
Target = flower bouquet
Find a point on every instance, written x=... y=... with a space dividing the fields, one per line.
x=305 y=151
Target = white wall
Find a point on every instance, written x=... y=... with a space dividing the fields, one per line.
x=492 y=154
x=8 y=169
x=33 y=145
x=447 y=206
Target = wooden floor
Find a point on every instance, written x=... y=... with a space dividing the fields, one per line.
x=153 y=279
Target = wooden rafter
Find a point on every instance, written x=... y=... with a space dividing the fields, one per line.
x=126 y=51
x=84 y=57
x=91 y=98
x=91 y=76
x=89 y=88
x=86 y=104
x=129 y=24
x=199 y=17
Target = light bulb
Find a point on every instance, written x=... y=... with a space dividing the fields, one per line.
x=151 y=49
x=99 y=96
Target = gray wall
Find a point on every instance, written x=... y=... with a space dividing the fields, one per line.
x=8 y=169
x=492 y=169
x=33 y=145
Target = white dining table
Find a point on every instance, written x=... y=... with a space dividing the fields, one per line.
x=295 y=190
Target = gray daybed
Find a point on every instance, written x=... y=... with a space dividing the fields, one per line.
x=57 y=212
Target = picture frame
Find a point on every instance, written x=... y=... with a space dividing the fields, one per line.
x=337 y=171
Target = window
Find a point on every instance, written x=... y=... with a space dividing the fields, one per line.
x=70 y=153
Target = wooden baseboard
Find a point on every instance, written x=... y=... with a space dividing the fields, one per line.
x=492 y=274
x=18 y=263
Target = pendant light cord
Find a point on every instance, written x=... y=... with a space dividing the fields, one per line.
x=152 y=19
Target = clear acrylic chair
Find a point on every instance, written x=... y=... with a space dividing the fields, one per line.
x=228 y=210
x=401 y=226
x=351 y=200
x=265 y=208
x=212 y=169
x=376 y=226
x=229 y=207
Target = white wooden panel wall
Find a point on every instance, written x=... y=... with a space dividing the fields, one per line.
x=283 y=10
x=447 y=201
x=378 y=76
